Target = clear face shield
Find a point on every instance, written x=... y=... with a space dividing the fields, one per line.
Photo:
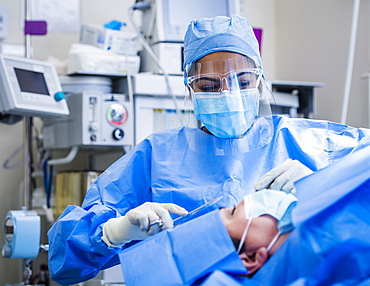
x=229 y=97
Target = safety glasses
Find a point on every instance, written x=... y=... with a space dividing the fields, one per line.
x=234 y=80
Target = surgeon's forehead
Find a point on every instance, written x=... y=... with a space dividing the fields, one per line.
x=222 y=62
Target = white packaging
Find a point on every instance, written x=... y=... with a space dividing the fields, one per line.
x=90 y=59
x=120 y=42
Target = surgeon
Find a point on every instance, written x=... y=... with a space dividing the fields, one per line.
x=239 y=148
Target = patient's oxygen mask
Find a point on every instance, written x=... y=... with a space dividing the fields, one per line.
x=277 y=204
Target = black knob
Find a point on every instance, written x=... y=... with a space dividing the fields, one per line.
x=93 y=137
x=118 y=134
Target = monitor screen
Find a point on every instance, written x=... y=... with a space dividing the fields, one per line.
x=182 y=12
x=30 y=87
x=31 y=81
x=177 y=15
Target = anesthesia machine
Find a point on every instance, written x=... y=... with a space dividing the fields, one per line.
x=96 y=119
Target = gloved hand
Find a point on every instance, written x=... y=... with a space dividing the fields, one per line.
x=136 y=224
x=282 y=178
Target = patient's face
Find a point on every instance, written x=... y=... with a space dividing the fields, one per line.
x=261 y=231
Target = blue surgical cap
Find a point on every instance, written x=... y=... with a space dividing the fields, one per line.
x=221 y=33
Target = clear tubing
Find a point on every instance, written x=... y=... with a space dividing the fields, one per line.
x=156 y=60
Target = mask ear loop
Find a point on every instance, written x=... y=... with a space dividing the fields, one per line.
x=244 y=235
x=271 y=244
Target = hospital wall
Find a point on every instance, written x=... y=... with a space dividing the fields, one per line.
x=302 y=41
x=312 y=44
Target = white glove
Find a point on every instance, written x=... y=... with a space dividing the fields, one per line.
x=282 y=178
x=140 y=223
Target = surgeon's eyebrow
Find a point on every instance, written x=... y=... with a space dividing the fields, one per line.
x=206 y=78
x=243 y=73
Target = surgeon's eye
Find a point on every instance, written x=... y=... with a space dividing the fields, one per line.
x=207 y=84
x=244 y=84
x=247 y=80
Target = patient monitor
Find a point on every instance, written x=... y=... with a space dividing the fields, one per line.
x=165 y=24
x=30 y=87
x=168 y=20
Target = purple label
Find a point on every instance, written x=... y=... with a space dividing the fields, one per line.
x=35 y=27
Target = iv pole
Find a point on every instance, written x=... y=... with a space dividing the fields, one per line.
x=27 y=139
x=26 y=218
x=351 y=54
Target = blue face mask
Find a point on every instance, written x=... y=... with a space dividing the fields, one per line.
x=227 y=114
x=277 y=204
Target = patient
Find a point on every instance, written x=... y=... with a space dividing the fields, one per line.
x=259 y=225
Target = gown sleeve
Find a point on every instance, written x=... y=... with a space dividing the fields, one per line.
x=76 y=251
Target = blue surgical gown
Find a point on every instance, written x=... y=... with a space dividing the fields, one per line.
x=331 y=245
x=331 y=242
x=184 y=166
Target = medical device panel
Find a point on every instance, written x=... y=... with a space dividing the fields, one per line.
x=164 y=26
x=96 y=119
x=22 y=234
x=155 y=110
x=173 y=16
x=30 y=87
